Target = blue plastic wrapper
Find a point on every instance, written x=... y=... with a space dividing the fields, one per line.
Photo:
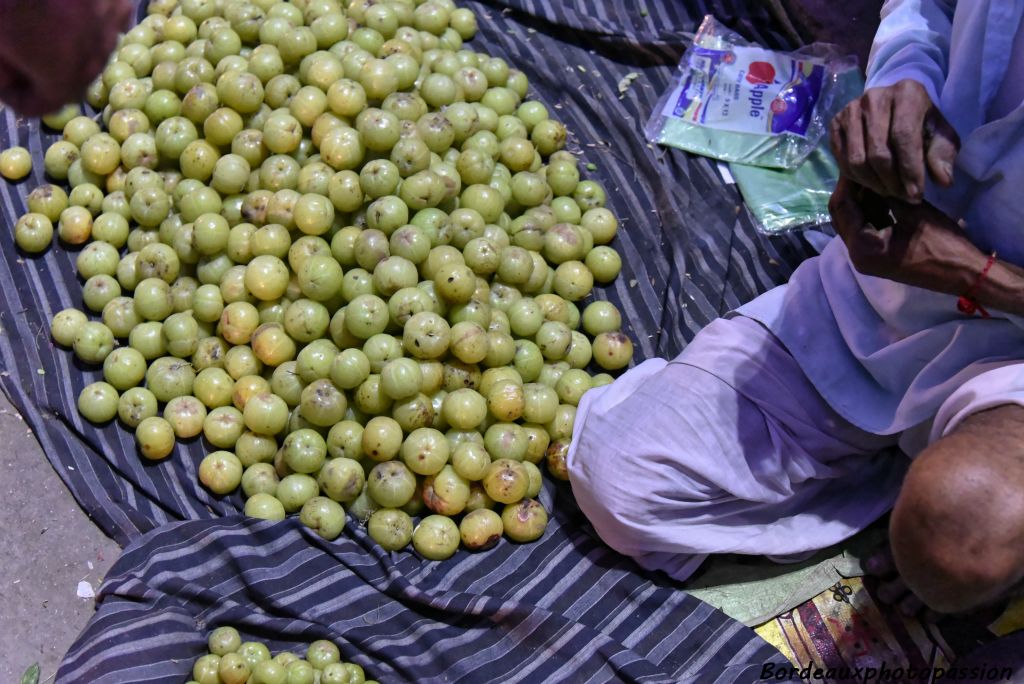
x=782 y=200
x=742 y=103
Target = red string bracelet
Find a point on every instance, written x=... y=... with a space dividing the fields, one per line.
x=967 y=303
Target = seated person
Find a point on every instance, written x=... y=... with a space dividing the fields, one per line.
x=778 y=430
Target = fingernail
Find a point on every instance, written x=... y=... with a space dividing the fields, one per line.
x=947 y=169
x=913 y=192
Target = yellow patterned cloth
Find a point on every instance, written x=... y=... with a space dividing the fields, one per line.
x=845 y=626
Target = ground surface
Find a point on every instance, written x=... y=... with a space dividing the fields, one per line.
x=48 y=546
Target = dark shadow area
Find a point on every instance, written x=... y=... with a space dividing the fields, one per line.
x=851 y=24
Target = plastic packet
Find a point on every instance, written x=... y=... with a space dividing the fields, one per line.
x=739 y=102
x=780 y=200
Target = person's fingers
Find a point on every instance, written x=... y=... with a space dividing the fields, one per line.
x=877 y=106
x=893 y=591
x=838 y=144
x=857 y=164
x=907 y=135
x=910 y=605
x=103 y=43
x=850 y=205
x=943 y=146
x=877 y=210
x=880 y=563
x=853 y=133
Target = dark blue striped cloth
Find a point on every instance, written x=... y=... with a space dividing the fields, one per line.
x=690 y=253
x=564 y=609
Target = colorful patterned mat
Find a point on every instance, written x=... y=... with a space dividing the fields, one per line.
x=846 y=627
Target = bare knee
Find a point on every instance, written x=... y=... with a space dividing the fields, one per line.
x=958 y=524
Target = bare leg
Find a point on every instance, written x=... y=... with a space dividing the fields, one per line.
x=957 y=530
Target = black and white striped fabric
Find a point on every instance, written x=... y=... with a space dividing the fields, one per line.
x=565 y=609
x=690 y=253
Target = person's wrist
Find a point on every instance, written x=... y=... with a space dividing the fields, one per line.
x=1003 y=288
x=965 y=268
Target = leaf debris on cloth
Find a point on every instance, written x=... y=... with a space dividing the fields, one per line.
x=591 y=166
x=31 y=675
x=626 y=83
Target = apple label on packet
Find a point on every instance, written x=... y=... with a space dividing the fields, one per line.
x=748 y=90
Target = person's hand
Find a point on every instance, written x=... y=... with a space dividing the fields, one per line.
x=915 y=244
x=51 y=49
x=888 y=139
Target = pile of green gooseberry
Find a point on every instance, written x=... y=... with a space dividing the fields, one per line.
x=230 y=661
x=343 y=249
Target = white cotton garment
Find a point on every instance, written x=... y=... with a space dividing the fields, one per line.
x=725 y=449
x=729 y=448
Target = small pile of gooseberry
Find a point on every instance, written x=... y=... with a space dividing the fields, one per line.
x=232 y=661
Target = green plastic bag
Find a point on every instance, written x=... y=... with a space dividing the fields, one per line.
x=781 y=201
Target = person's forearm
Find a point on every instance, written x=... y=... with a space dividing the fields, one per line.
x=921 y=246
x=959 y=273
x=1001 y=288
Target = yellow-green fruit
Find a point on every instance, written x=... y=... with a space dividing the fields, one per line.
x=15 y=163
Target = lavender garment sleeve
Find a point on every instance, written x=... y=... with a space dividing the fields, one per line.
x=912 y=42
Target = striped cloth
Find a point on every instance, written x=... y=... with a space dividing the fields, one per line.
x=690 y=253
x=564 y=609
